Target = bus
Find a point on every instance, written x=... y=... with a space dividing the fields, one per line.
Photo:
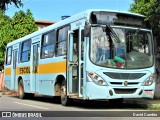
x=94 y=55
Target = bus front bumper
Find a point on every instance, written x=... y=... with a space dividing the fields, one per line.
x=94 y=91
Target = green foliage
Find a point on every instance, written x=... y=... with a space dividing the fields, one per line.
x=4 y=4
x=23 y=23
x=20 y=25
x=151 y=9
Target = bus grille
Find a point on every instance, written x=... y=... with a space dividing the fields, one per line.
x=121 y=83
x=124 y=91
x=125 y=76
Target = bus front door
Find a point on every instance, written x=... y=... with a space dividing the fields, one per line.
x=34 y=67
x=74 y=64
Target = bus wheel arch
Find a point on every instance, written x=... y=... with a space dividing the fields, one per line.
x=60 y=86
x=57 y=85
x=65 y=100
x=19 y=78
x=21 y=93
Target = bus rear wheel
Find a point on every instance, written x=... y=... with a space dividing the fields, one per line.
x=21 y=93
x=65 y=101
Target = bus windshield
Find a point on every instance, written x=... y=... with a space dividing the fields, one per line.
x=125 y=48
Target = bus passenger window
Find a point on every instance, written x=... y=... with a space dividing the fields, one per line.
x=9 y=56
x=48 y=45
x=26 y=50
x=62 y=38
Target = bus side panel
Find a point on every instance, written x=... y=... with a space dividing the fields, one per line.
x=26 y=83
x=47 y=84
x=16 y=83
x=7 y=77
x=8 y=83
x=94 y=91
x=49 y=69
x=23 y=70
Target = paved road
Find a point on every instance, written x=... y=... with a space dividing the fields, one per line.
x=12 y=103
x=8 y=103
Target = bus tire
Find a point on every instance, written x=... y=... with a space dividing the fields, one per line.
x=65 y=101
x=21 y=93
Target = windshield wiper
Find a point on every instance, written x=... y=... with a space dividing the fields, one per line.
x=109 y=29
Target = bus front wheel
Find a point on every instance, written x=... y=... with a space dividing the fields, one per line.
x=64 y=98
x=21 y=93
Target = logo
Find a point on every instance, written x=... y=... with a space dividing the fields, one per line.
x=6 y=114
x=125 y=83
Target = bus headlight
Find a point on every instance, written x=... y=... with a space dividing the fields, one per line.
x=150 y=80
x=97 y=79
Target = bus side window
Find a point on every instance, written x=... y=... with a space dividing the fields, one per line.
x=9 y=56
x=48 y=45
x=26 y=50
x=61 y=43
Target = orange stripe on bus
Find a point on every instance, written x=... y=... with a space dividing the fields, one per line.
x=49 y=68
x=52 y=68
x=7 y=71
x=23 y=70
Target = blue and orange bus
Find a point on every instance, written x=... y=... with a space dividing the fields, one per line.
x=96 y=54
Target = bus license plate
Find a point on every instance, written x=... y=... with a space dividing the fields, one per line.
x=148 y=92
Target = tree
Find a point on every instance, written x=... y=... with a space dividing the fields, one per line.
x=151 y=9
x=5 y=23
x=11 y=29
x=23 y=24
x=4 y=4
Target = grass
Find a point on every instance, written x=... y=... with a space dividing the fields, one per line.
x=154 y=107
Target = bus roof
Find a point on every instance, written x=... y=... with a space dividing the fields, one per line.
x=81 y=15
x=115 y=11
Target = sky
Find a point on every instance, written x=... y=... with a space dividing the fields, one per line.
x=52 y=10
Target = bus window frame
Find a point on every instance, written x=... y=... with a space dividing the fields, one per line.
x=54 y=43
x=57 y=42
x=120 y=24
x=6 y=58
x=21 y=50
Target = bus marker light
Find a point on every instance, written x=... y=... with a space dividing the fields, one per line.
x=91 y=73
